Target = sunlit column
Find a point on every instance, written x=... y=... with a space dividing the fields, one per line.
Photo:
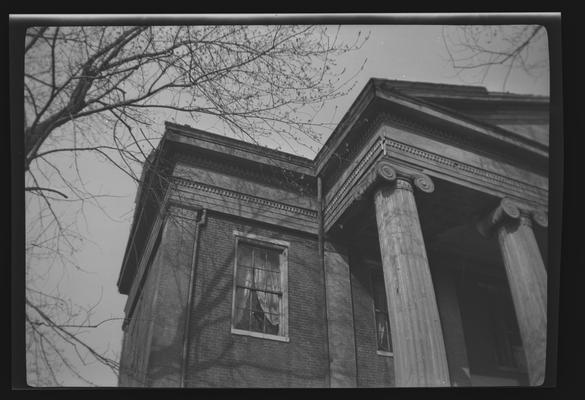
x=417 y=338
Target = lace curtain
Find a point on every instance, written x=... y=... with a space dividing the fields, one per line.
x=258 y=288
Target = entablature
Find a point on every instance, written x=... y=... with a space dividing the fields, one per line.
x=437 y=160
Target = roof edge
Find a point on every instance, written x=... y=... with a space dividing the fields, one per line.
x=228 y=146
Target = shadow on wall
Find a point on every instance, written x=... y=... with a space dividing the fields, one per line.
x=218 y=358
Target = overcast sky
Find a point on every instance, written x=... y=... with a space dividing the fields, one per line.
x=414 y=53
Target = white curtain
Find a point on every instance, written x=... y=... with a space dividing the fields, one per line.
x=243 y=295
x=264 y=277
x=269 y=302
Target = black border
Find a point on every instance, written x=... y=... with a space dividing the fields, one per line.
x=564 y=86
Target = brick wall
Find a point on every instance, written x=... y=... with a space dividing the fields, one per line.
x=373 y=370
x=174 y=259
x=218 y=358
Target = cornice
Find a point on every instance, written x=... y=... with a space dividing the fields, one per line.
x=255 y=152
x=345 y=126
x=459 y=138
x=268 y=178
x=352 y=152
x=243 y=197
x=375 y=150
x=461 y=124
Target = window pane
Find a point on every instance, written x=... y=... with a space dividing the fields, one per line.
x=383 y=328
x=270 y=326
x=271 y=306
x=381 y=312
x=267 y=280
x=242 y=318
x=242 y=298
x=273 y=282
x=260 y=258
x=257 y=321
x=259 y=279
x=244 y=255
x=257 y=315
x=273 y=260
x=244 y=276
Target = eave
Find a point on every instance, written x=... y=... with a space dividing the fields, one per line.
x=237 y=149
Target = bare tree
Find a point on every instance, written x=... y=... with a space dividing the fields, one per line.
x=475 y=51
x=104 y=91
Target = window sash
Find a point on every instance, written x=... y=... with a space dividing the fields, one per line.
x=268 y=315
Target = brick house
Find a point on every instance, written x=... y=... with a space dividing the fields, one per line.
x=410 y=252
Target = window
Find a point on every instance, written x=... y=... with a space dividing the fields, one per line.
x=260 y=296
x=382 y=320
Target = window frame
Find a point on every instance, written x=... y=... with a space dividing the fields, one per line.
x=282 y=246
x=376 y=268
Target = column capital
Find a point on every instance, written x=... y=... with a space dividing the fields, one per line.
x=390 y=172
x=509 y=210
x=540 y=216
x=387 y=171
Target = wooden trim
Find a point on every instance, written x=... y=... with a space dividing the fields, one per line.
x=263 y=240
x=259 y=335
x=385 y=353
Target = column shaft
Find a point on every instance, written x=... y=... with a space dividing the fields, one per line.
x=527 y=279
x=417 y=339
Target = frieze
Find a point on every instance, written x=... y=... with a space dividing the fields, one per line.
x=339 y=202
x=460 y=166
x=244 y=197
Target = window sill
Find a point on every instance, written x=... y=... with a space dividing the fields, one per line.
x=384 y=353
x=260 y=335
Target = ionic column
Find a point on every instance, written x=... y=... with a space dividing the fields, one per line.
x=417 y=338
x=527 y=277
